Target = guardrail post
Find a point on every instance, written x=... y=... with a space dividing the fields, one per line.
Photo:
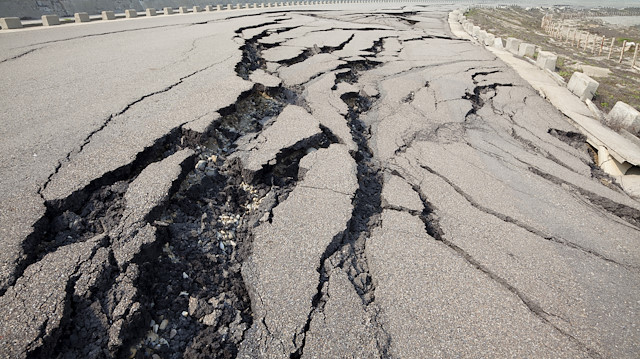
x=108 y=15
x=81 y=17
x=10 y=22
x=50 y=20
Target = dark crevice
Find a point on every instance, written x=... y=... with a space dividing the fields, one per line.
x=579 y=142
x=95 y=211
x=408 y=21
x=629 y=214
x=284 y=173
x=432 y=226
x=209 y=226
x=257 y=26
x=87 y=139
x=439 y=37
x=354 y=67
x=20 y=55
x=535 y=149
x=90 y=211
x=573 y=139
x=52 y=342
x=209 y=229
x=521 y=224
x=346 y=250
x=211 y=251
x=315 y=51
x=351 y=29
x=409 y=97
x=377 y=46
x=253 y=109
x=476 y=98
x=252 y=51
x=531 y=305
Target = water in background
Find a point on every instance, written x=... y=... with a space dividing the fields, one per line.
x=577 y=3
x=621 y=20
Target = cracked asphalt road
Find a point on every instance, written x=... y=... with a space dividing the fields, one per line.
x=318 y=181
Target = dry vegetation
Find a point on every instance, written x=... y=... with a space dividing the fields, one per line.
x=622 y=84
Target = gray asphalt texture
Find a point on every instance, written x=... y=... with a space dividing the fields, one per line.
x=405 y=197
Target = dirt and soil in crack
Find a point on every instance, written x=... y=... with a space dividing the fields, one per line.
x=483 y=96
x=91 y=214
x=347 y=250
x=192 y=299
x=197 y=303
x=195 y=285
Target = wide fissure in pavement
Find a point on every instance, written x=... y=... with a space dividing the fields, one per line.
x=90 y=211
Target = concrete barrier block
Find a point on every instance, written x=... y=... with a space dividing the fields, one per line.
x=582 y=86
x=10 y=22
x=108 y=15
x=81 y=17
x=218 y=7
x=513 y=45
x=197 y=9
x=489 y=40
x=497 y=43
x=526 y=49
x=168 y=11
x=625 y=116
x=238 y=6
x=50 y=20
x=482 y=34
x=547 y=60
x=208 y=8
x=151 y=12
x=130 y=14
x=183 y=10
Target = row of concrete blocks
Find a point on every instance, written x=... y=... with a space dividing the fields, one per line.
x=580 y=84
x=51 y=20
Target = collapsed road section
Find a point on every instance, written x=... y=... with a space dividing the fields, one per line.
x=304 y=184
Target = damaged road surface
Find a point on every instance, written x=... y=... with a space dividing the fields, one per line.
x=308 y=182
